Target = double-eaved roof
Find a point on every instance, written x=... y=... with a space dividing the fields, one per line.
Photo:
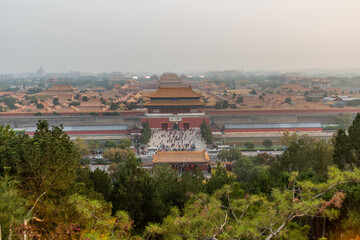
x=175 y=103
x=174 y=92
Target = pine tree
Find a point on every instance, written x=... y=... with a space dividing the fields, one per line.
x=145 y=133
x=206 y=133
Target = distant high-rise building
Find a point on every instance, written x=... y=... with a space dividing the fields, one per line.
x=40 y=71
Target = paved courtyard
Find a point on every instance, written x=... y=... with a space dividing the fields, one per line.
x=177 y=140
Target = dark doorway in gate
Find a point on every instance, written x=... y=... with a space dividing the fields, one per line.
x=164 y=126
x=175 y=125
x=186 y=126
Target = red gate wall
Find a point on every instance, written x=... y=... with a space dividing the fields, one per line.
x=194 y=122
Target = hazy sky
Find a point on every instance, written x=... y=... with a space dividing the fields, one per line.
x=177 y=35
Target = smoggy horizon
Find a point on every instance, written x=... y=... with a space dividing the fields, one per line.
x=179 y=36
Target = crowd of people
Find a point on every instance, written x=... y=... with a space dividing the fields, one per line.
x=177 y=140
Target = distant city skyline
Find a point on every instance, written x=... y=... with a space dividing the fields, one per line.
x=178 y=36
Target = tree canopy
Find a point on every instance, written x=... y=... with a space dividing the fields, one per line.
x=311 y=191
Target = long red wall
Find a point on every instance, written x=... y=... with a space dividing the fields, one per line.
x=275 y=130
x=194 y=122
x=207 y=111
x=121 y=113
x=90 y=132
x=253 y=111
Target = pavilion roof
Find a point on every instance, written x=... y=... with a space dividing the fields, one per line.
x=181 y=157
x=174 y=92
x=175 y=103
x=62 y=87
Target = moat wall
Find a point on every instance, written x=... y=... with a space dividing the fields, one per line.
x=218 y=119
x=22 y=122
x=323 y=118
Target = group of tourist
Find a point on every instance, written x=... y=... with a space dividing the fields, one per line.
x=176 y=140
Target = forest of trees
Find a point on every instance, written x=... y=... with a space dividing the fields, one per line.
x=311 y=191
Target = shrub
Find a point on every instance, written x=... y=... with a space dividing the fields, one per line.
x=249 y=145
x=267 y=143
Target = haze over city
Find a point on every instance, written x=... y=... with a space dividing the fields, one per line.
x=180 y=36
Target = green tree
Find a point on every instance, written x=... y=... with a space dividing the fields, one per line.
x=218 y=105
x=110 y=144
x=225 y=104
x=305 y=152
x=9 y=101
x=77 y=96
x=132 y=191
x=85 y=99
x=240 y=99
x=113 y=106
x=56 y=101
x=228 y=214
x=206 y=133
x=95 y=221
x=45 y=166
x=253 y=92
x=288 y=100
x=344 y=154
x=145 y=133
x=230 y=155
x=94 y=114
x=93 y=145
x=172 y=189
x=39 y=106
x=13 y=207
x=352 y=154
x=132 y=105
x=74 y=103
x=115 y=155
x=190 y=183
x=81 y=146
x=125 y=143
x=267 y=143
x=249 y=145
x=218 y=179
x=243 y=169
x=344 y=120
x=101 y=183
x=103 y=101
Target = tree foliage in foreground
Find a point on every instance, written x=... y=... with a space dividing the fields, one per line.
x=46 y=194
x=13 y=207
x=228 y=214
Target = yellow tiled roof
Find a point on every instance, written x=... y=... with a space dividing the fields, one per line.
x=179 y=92
x=181 y=157
x=175 y=103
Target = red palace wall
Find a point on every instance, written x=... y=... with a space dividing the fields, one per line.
x=89 y=132
x=193 y=122
x=288 y=111
x=276 y=130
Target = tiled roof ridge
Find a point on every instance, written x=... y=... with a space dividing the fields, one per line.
x=173 y=92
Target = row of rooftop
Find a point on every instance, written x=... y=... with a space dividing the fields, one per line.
x=296 y=92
